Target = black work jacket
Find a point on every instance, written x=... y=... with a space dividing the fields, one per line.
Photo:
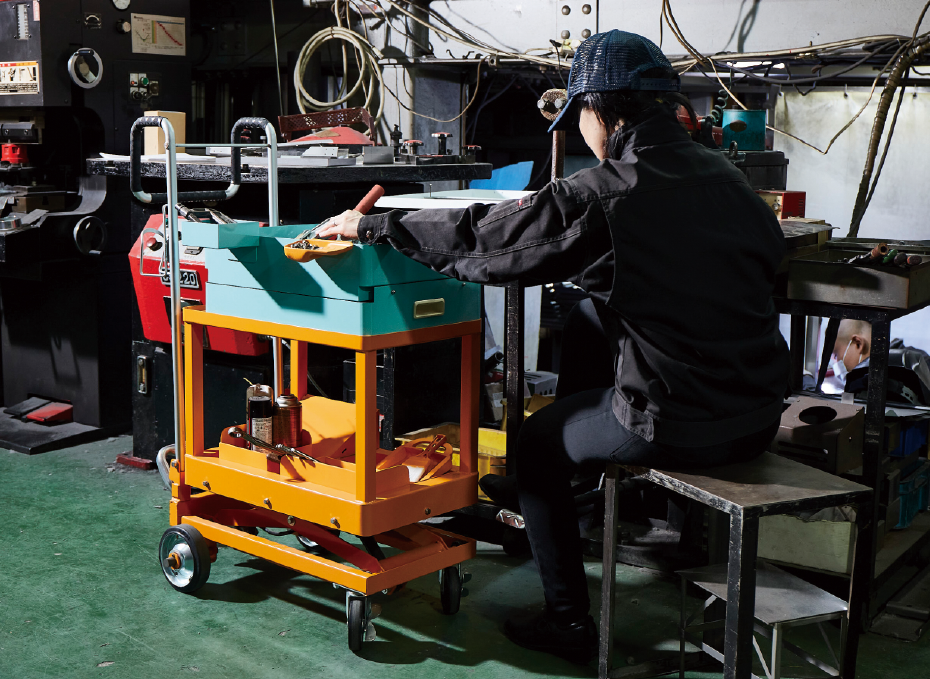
x=679 y=255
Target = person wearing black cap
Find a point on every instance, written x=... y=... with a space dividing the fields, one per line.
x=678 y=256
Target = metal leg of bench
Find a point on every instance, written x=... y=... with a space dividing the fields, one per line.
x=741 y=595
x=605 y=651
x=858 y=591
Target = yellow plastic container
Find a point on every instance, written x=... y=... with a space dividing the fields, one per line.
x=492 y=448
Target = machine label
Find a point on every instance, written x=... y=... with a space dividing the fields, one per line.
x=189 y=279
x=19 y=77
x=153 y=34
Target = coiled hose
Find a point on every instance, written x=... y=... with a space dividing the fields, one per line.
x=720 y=103
x=369 y=77
x=878 y=127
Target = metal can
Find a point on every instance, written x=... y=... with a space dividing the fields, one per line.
x=261 y=418
x=255 y=390
x=287 y=420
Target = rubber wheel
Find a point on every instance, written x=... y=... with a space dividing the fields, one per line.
x=450 y=589
x=184 y=555
x=356 y=623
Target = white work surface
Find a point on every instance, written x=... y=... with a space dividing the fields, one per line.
x=447 y=199
x=493 y=297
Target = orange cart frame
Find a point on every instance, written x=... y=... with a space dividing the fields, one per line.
x=245 y=488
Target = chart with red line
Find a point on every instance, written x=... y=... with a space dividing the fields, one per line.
x=153 y=34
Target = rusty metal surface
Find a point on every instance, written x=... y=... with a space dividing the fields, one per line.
x=767 y=485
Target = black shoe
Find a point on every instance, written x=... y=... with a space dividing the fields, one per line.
x=576 y=642
x=502 y=490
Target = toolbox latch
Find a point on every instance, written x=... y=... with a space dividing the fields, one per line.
x=427 y=308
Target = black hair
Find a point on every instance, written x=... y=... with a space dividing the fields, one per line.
x=631 y=106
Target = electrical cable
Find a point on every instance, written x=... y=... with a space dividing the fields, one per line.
x=451 y=120
x=277 y=58
x=370 y=79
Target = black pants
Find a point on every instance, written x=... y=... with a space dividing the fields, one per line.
x=579 y=432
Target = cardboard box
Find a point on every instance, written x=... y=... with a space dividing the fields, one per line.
x=154 y=138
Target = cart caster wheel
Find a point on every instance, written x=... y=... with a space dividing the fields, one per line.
x=184 y=555
x=450 y=589
x=358 y=621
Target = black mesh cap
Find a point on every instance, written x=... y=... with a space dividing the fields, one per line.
x=615 y=60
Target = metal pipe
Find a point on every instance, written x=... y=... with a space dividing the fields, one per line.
x=271 y=136
x=177 y=362
x=277 y=359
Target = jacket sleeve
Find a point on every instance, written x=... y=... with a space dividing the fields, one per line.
x=536 y=239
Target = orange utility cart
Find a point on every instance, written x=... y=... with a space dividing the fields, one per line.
x=333 y=485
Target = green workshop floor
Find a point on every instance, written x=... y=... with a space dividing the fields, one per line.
x=82 y=595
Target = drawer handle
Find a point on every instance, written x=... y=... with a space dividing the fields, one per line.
x=427 y=308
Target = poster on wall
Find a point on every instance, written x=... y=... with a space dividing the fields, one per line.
x=153 y=34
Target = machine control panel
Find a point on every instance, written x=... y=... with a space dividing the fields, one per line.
x=143 y=86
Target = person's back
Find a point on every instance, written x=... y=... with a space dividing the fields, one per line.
x=689 y=303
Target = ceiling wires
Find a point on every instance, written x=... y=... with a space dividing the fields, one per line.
x=908 y=51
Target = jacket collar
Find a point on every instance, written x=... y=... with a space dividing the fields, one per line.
x=657 y=125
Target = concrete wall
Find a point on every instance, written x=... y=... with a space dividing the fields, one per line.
x=710 y=25
x=901 y=203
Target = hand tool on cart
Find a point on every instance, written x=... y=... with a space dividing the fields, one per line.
x=363 y=207
x=276 y=450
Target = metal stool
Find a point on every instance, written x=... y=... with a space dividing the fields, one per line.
x=746 y=492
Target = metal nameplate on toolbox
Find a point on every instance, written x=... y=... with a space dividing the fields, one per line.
x=189 y=279
x=826 y=277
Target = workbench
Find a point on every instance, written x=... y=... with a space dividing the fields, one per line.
x=254 y=173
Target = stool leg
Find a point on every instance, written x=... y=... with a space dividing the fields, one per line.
x=609 y=576
x=741 y=595
x=681 y=629
x=777 y=637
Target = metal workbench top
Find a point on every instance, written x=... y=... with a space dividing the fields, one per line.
x=253 y=173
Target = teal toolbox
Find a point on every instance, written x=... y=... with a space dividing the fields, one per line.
x=368 y=290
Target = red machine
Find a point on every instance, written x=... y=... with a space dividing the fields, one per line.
x=154 y=295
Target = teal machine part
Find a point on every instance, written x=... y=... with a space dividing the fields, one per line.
x=746 y=128
x=367 y=290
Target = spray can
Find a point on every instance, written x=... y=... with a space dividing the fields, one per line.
x=255 y=390
x=261 y=418
x=287 y=420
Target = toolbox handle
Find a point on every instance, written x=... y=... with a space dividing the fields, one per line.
x=135 y=170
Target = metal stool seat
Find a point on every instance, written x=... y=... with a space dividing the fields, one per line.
x=765 y=486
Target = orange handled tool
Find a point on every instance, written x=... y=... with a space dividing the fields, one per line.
x=369 y=200
x=364 y=206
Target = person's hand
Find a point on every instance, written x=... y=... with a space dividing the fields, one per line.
x=345 y=225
